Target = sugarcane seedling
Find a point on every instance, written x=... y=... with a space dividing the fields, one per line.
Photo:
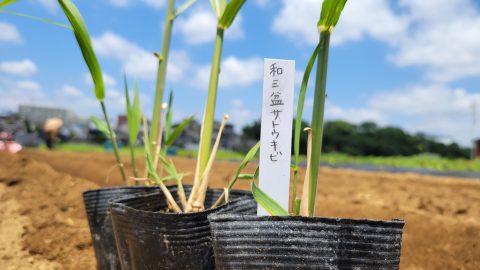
x=248 y=157
x=225 y=13
x=83 y=41
x=153 y=174
x=329 y=16
x=197 y=197
x=171 y=14
x=134 y=115
x=159 y=138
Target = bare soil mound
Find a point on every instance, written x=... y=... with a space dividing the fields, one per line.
x=442 y=214
x=42 y=219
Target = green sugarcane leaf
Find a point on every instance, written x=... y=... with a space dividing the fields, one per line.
x=151 y=169
x=168 y=165
x=36 y=18
x=134 y=116
x=168 y=121
x=100 y=125
x=218 y=7
x=246 y=176
x=178 y=130
x=168 y=117
x=146 y=139
x=184 y=7
x=171 y=178
x=6 y=3
x=230 y=13
x=127 y=96
x=330 y=14
x=83 y=40
x=300 y=105
x=248 y=157
x=266 y=202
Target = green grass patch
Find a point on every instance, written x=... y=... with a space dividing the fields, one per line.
x=431 y=162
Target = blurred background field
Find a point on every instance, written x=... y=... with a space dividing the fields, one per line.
x=423 y=161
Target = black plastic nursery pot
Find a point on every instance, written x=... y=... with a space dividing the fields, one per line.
x=149 y=238
x=100 y=222
x=251 y=242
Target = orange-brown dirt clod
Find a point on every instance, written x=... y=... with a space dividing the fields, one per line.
x=43 y=224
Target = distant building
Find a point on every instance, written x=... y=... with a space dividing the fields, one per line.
x=74 y=127
x=190 y=137
x=476 y=149
x=37 y=115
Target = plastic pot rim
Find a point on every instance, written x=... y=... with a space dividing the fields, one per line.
x=235 y=217
x=119 y=205
x=88 y=191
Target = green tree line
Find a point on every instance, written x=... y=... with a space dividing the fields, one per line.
x=369 y=139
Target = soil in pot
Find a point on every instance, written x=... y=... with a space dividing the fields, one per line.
x=100 y=222
x=149 y=238
x=251 y=242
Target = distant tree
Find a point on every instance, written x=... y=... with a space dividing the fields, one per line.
x=253 y=131
x=368 y=139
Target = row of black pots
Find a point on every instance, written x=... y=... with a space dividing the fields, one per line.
x=230 y=236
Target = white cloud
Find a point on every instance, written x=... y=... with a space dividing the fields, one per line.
x=298 y=20
x=16 y=92
x=239 y=114
x=353 y=115
x=125 y=3
x=373 y=18
x=137 y=61
x=119 y=3
x=108 y=80
x=434 y=109
x=440 y=36
x=233 y=72
x=447 y=49
x=262 y=3
x=24 y=67
x=50 y=5
x=200 y=27
x=9 y=33
x=71 y=91
x=28 y=86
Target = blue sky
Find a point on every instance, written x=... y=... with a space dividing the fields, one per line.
x=408 y=63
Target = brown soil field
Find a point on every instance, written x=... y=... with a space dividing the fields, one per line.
x=43 y=224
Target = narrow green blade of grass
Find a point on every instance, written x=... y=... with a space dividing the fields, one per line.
x=184 y=7
x=6 y=3
x=248 y=157
x=134 y=115
x=178 y=130
x=230 y=13
x=298 y=121
x=83 y=40
x=169 y=166
x=168 y=116
x=243 y=176
x=127 y=95
x=36 y=18
x=329 y=16
x=218 y=7
x=100 y=125
x=266 y=202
